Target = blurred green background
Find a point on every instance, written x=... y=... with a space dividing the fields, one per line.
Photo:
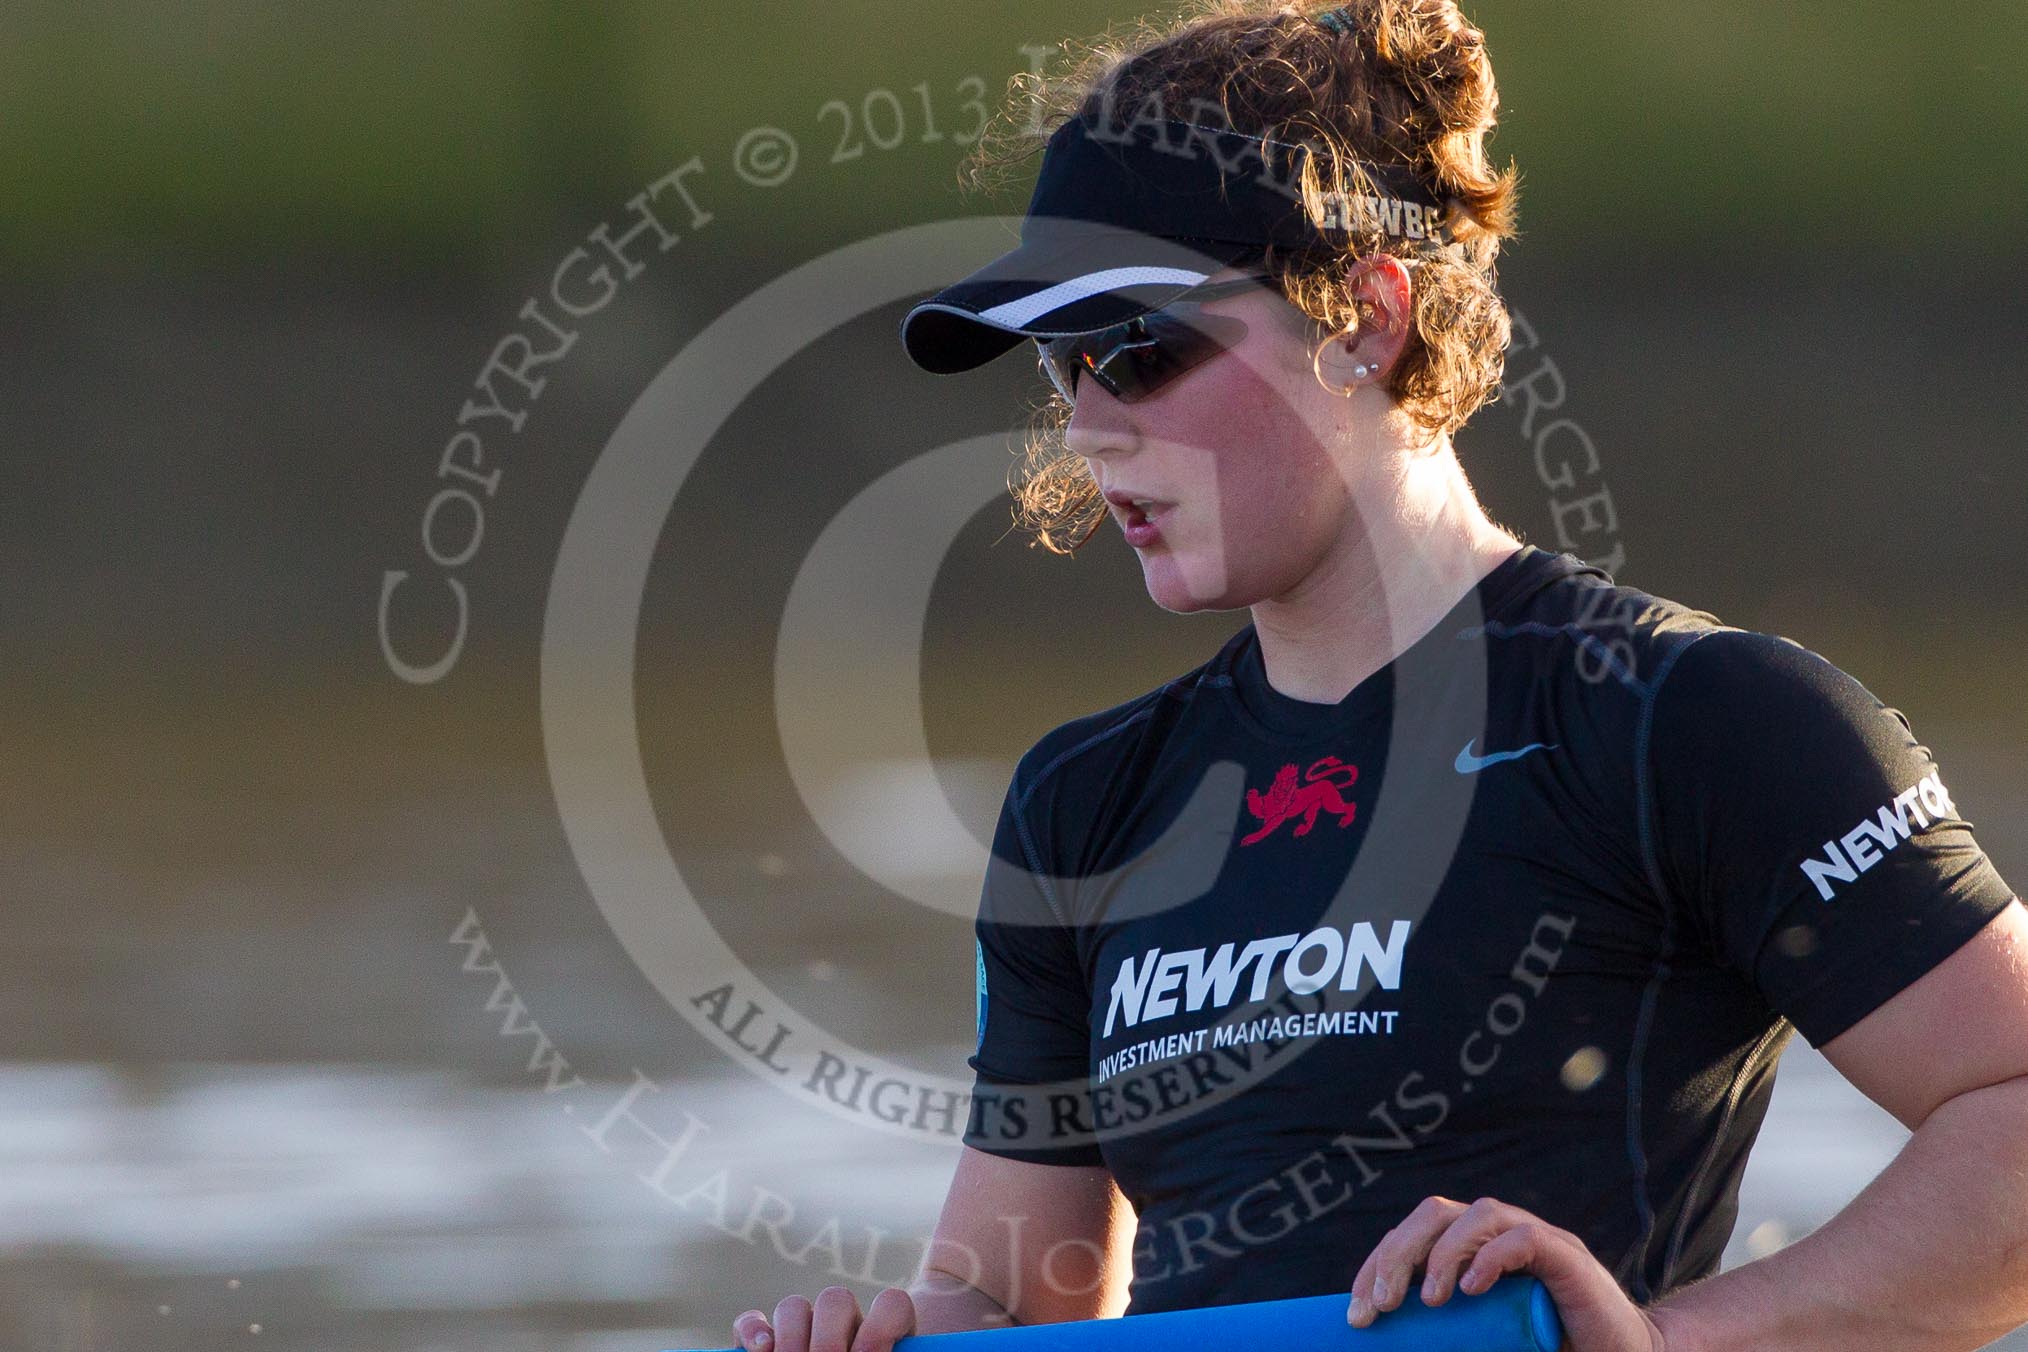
x=252 y=258
x=439 y=133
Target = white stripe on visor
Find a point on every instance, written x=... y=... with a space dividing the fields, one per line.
x=1017 y=314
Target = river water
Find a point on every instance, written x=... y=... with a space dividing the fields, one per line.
x=344 y=1207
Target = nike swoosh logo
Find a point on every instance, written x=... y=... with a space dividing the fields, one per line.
x=1467 y=763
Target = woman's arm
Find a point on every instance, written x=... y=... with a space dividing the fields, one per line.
x=1017 y=1243
x=1933 y=1255
x=1026 y=1244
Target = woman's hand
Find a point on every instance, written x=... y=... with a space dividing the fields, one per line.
x=1465 y=1248
x=831 y=1324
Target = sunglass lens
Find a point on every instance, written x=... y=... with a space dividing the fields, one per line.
x=1135 y=359
x=1180 y=338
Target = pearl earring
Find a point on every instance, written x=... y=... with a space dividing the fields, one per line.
x=1360 y=371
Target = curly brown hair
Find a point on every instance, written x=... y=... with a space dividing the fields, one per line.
x=1397 y=83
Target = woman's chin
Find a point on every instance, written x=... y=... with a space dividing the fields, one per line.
x=1183 y=583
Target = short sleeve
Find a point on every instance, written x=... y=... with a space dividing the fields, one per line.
x=1804 y=830
x=1033 y=1003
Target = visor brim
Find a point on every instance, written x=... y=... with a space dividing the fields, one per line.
x=1066 y=277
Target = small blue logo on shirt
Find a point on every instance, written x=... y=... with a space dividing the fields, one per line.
x=1467 y=763
x=979 y=996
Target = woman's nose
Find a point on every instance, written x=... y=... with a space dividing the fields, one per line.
x=1099 y=424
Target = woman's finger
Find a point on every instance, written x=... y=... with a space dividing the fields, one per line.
x=753 y=1331
x=1528 y=1247
x=1398 y=1247
x=890 y=1318
x=792 y=1324
x=835 y=1320
x=1459 y=1244
x=1383 y=1278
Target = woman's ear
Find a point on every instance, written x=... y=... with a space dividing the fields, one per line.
x=1383 y=293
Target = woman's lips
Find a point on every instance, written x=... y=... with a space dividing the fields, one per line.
x=1143 y=527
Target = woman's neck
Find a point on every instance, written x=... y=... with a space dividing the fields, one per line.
x=1394 y=575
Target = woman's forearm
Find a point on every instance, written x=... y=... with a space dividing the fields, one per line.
x=945 y=1303
x=1932 y=1256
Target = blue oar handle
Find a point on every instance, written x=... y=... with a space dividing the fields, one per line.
x=1513 y=1315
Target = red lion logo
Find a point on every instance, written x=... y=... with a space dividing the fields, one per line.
x=1321 y=790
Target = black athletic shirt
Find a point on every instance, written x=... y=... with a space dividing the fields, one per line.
x=1530 y=914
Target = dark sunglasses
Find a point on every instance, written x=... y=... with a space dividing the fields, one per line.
x=1133 y=360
